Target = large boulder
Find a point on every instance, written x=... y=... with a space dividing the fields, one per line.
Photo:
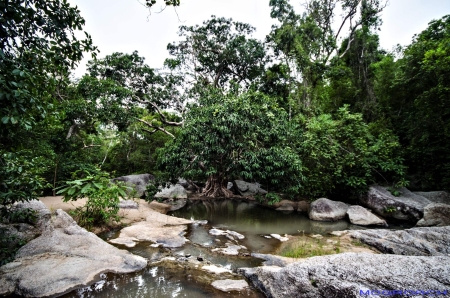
x=138 y=183
x=247 y=189
x=165 y=230
x=435 y=196
x=433 y=241
x=407 y=207
x=435 y=214
x=172 y=192
x=64 y=257
x=361 y=216
x=327 y=210
x=350 y=274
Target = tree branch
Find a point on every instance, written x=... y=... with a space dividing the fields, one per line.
x=155 y=127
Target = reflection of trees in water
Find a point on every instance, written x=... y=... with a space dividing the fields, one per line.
x=231 y=212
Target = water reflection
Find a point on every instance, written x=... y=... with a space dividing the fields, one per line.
x=250 y=218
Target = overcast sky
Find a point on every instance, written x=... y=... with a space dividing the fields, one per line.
x=126 y=25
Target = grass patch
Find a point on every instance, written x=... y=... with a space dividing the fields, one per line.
x=308 y=247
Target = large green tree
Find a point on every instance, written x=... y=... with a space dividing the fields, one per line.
x=415 y=92
x=230 y=136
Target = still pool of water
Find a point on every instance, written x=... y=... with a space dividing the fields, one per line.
x=247 y=218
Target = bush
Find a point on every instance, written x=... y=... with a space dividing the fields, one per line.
x=102 y=195
x=341 y=155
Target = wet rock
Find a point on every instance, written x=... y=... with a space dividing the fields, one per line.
x=344 y=275
x=231 y=249
x=138 y=183
x=274 y=260
x=327 y=210
x=361 y=216
x=227 y=285
x=160 y=207
x=158 y=228
x=128 y=204
x=172 y=192
x=435 y=214
x=303 y=206
x=285 y=208
x=279 y=237
x=65 y=256
x=408 y=206
x=215 y=269
x=229 y=234
x=435 y=196
x=433 y=241
x=247 y=189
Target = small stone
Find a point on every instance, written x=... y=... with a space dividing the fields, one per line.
x=227 y=285
x=279 y=237
x=317 y=236
x=200 y=259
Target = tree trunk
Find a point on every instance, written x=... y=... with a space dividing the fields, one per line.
x=216 y=187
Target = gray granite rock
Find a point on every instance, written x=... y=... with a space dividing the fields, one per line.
x=227 y=285
x=172 y=192
x=327 y=210
x=407 y=207
x=345 y=275
x=433 y=241
x=247 y=189
x=435 y=214
x=128 y=204
x=435 y=196
x=361 y=216
x=64 y=257
x=137 y=183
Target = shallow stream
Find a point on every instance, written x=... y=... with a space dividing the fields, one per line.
x=249 y=219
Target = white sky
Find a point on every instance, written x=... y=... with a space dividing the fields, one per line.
x=125 y=25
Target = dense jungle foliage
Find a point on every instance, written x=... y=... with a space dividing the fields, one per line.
x=311 y=111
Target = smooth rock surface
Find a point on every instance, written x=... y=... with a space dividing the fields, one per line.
x=435 y=196
x=160 y=207
x=327 y=210
x=247 y=189
x=216 y=269
x=64 y=257
x=138 y=183
x=408 y=206
x=344 y=275
x=435 y=214
x=172 y=192
x=230 y=249
x=433 y=241
x=227 y=285
x=158 y=228
x=361 y=216
x=279 y=237
x=303 y=206
x=128 y=204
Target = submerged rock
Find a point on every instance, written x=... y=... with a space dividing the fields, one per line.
x=361 y=216
x=64 y=257
x=345 y=275
x=327 y=210
x=279 y=237
x=138 y=183
x=408 y=206
x=231 y=249
x=229 y=234
x=435 y=214
x=433 y=241
x=227 y=285
x=215 y=269
x=247 y=189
